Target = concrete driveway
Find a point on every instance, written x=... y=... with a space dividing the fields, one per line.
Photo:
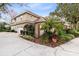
x=12 y=45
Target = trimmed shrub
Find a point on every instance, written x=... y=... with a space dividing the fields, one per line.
x=74 y=32
x=66 y=37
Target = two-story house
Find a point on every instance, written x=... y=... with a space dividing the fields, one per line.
x=28 y=17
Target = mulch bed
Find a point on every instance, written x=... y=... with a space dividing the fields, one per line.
x=47 y=43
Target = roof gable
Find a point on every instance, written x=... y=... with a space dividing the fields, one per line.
x=28 y=12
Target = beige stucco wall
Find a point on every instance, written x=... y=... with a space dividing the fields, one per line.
x=18 y=22
x=25 y=17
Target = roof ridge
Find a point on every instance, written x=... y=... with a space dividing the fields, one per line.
x=27 y=11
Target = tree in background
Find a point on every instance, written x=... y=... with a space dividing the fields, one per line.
x=6 y=8
x=2 y=26
x=69 y=11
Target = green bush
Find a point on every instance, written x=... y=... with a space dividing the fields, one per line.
x=28 y=37
x=74 y=32
x=45 y=37
x=66 y=37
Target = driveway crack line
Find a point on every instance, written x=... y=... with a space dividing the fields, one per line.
x=22 y=50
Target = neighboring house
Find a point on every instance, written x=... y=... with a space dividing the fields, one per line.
x=21 y=20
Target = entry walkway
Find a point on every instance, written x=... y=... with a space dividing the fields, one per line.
x=12 y=45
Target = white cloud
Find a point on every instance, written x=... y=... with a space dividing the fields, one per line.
x=47 y=7
x=36 y=5
x=40 y=6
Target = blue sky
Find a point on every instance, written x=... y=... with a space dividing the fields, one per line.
x=42 y=9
